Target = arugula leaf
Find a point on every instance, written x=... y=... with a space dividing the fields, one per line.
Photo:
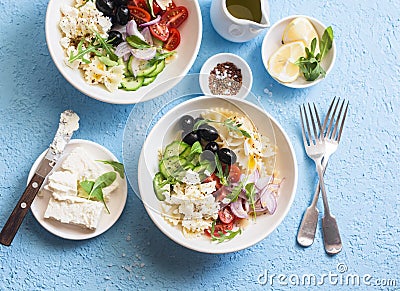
x=233 y=196
x=229 y=123
x=228 y=235
x=220 y=173
x=326 y=42
x=106 y=46
x=160 y=57
x=82 y=52
x=250 y=193
x=310 y=65
x=136 y=42
x=118 y=167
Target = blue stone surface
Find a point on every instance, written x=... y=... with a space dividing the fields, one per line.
x=362 y=177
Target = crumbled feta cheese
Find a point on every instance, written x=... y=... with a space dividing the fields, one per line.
x=191 y=178
x=163 y=3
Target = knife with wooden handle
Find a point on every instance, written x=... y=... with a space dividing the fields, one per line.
x=69 y=122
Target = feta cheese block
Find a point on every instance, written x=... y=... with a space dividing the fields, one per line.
x=75 y=210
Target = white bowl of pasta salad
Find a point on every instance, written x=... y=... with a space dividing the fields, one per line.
x=217 y=175
x=123 y=51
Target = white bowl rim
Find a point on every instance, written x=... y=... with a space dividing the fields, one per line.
x=264 y=45
x=241 y=63
x=152 y=213
x=144 y=96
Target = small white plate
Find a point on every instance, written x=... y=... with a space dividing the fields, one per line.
x=273 y=40
x=212 y=62
x=73 y=232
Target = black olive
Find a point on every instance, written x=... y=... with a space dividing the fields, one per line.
x=122 y=15
x=212 y=146
x=227 y=156
x=105 y=6
x=187 y=123
x=191 y=138
x=121 y=2
x=115 y=37
x=207 y=132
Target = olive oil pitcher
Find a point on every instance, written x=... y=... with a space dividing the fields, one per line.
x=239 y=20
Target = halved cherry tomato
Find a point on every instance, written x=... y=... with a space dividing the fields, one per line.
x=220 y=227
x=139 y=15
x=211 y=178
x=173 y=40
x=139 y=3
x=234 y=174
x=226 y=215
x=175 y=17
x=159 y=30
x=156 y=8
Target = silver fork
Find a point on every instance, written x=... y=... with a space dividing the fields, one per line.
x=306 y=233
x=319 y=148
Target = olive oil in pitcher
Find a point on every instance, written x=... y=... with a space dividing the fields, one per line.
x=245 y=9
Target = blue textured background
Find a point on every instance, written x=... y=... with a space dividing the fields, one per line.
x=134 y=254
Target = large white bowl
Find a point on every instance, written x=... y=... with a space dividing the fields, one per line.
x=191 y=33
x=273 y=40
x=166 y=130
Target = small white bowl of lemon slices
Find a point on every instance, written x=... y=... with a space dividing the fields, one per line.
x=286 y=42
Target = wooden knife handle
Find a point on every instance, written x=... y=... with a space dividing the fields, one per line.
x=21 y=209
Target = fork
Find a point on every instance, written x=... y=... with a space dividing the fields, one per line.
x=306 y=233
x=319 y=148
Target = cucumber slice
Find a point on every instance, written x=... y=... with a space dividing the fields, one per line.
x=132 y=84
x=148 y=80
x=170 y=166
x=157 y=181
x=147 y=69
x=160 y=66
x=185 y=153
x=175 y=148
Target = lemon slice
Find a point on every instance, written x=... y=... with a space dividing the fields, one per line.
x=300 y=29
x=281 y=64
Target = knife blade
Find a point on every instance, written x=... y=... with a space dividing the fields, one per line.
x=69 y=122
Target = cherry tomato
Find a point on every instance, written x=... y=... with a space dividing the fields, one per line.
x=175 y=17
x=211 y=178
x=220 y=227
x=225 y=215
x=234 y=174
x=139 y=15
x=138 y=3
x=156 y=8
x=173 y=40
x=159 y=30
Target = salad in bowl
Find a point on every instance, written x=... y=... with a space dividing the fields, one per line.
x=222 y=180
x=118 y=50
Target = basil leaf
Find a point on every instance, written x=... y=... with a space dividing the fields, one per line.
x=87 y=186
x=136 y=42
x=98 y=195
x=103 y=181
x=118 y=167
x=326 y=42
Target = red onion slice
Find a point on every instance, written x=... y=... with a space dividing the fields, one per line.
x=131 y=29
x=268 y=200
x=263 y=182
x=144 y=54
x=154 y=21
x=253 y=177
x=237 y=208
x=122 y=49
x=147 y=35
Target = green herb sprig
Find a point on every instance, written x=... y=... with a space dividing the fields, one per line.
x=223 y=236
x=94 y=190
x=221 y=174
x=310 y=65
x=250 y=193
x=229 y=123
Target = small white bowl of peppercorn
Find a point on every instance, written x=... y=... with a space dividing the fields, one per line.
x=226 y=75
